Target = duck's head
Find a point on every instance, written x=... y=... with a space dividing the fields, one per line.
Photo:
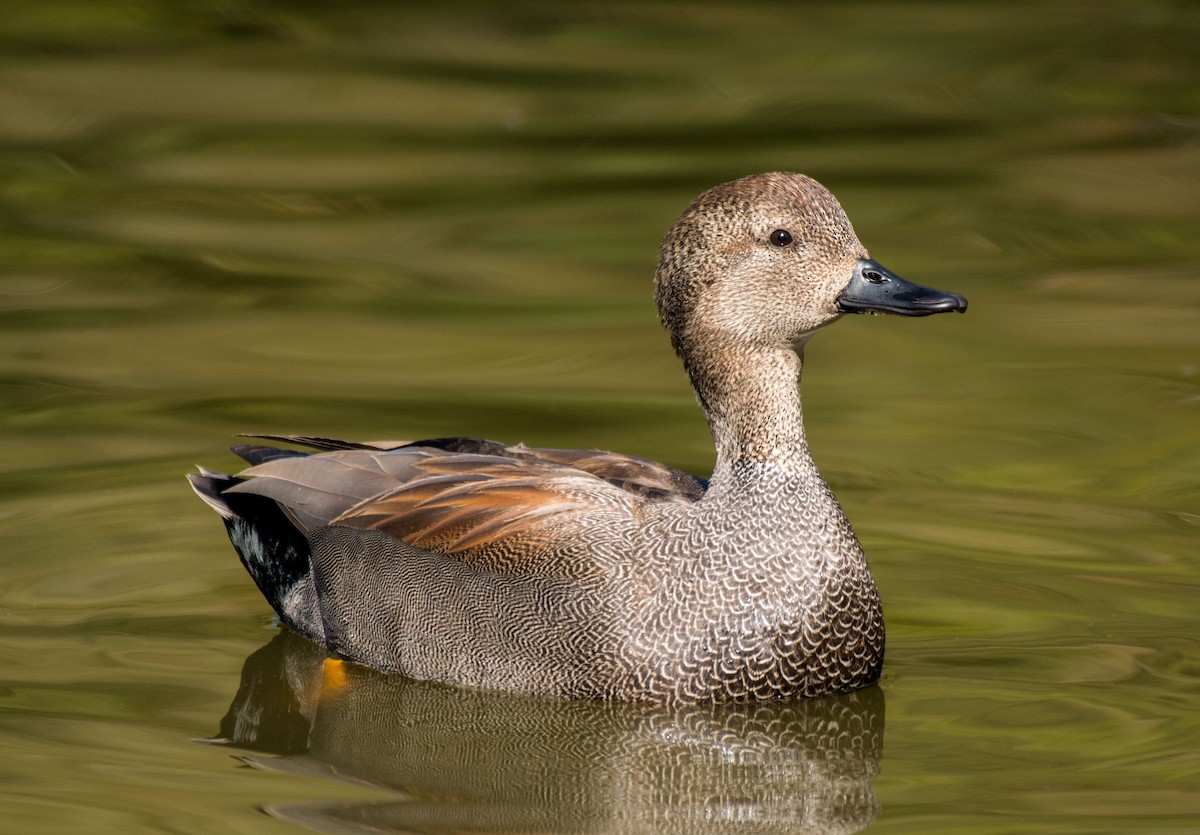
x=769 y=259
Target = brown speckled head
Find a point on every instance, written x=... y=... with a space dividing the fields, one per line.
x=758 y=260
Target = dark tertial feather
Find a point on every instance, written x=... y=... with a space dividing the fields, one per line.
x=317 y=442
x=255 y=455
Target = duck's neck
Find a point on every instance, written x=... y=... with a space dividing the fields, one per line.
x=753 y=405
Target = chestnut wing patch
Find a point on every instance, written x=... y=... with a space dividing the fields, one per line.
x=500 y=512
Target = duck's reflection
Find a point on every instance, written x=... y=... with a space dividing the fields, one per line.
x=470 y=760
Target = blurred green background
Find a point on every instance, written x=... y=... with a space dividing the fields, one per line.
x=371 y=219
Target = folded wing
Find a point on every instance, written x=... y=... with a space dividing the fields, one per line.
x=498 y=507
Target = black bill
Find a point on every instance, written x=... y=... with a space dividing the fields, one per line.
x=875 y=289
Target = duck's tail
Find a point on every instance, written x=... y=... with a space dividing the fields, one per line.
x=274 y=551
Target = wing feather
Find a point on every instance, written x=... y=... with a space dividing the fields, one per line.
x=475 y=500
x=492 y=517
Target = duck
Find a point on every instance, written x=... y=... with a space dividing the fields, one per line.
x=587 y=574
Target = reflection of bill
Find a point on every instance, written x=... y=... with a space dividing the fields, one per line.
x=461 y=758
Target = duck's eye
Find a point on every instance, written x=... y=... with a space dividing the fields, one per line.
x=874 y=276
x=780 y=237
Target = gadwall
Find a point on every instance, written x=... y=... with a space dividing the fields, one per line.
x=592 y=574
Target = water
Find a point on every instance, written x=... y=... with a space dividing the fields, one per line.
x=374 y=221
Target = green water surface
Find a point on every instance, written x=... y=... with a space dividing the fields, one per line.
x=424 y=219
